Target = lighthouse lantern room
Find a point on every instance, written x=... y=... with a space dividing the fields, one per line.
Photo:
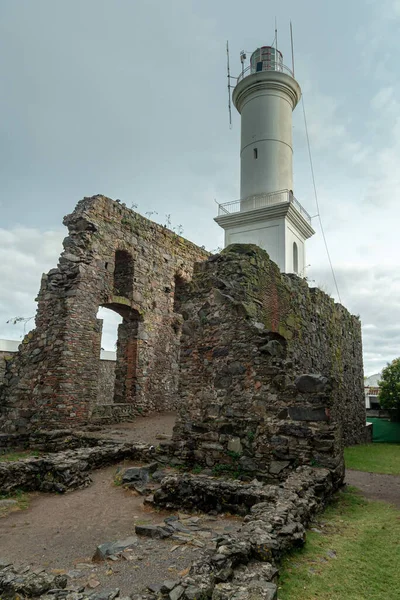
x=267 y=213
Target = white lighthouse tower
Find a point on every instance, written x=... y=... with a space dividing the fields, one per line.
x=267 y=213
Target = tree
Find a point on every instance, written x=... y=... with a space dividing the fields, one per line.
x=389 y=389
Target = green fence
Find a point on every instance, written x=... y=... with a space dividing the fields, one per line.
x=385 y=431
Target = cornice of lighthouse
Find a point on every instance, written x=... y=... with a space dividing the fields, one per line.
x=267 y=214
x=266 y=81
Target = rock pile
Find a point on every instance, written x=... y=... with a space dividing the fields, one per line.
x=25 y=582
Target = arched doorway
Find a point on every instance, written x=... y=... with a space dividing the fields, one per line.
x=119 y=326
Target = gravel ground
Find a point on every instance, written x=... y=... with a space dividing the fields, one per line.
x=61 y=533
x=376 y=485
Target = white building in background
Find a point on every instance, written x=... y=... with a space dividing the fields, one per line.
x=371 y=389
x=267 y=213
x=9 y=346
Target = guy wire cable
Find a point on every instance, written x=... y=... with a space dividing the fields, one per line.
x=316 y=200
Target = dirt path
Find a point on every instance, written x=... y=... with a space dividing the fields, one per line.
x=376 y=485
x=61 y=533
x=143 y=429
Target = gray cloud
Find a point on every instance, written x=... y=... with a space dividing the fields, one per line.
x=374 y=294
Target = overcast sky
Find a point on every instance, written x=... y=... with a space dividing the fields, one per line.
x=128 y=98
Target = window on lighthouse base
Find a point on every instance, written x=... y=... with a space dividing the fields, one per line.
x=295 y=258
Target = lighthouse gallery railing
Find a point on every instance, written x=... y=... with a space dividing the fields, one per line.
x=266 y=67
x=261 y=201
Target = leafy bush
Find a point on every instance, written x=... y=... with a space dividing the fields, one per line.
x=389 y=388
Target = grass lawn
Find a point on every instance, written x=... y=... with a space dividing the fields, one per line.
x=375 y=458
x=353 y=555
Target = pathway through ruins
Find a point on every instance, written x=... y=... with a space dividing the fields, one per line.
x=150 y=429
x=61 y=532
x=376 y=486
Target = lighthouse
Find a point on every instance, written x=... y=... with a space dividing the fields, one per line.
x=267 y=214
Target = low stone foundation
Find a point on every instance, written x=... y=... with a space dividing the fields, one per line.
x=114 y=413
x=242 y=565
x=44 y=440
x=64 y=471
x=245 y=566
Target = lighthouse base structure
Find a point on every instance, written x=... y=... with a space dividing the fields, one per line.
x=279 y=229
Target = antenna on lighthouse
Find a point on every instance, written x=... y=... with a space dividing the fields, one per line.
x=291 y=42
x=243 y=57
x=229 y=85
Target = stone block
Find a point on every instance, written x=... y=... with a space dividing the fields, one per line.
x=276 y=466
x=153 y=531
x=312 y=383
x=113 y=548
x=235 y=445
x=306 y=413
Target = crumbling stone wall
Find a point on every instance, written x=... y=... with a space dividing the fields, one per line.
x=271 y=371
x=106 y=381
x=115 y=258
x=4 y=357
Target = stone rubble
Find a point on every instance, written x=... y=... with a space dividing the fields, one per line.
x=141 y=479
x=272 y=526
x=113 y=549
x=242 y=564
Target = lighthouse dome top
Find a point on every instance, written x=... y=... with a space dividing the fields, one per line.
x=265 y=58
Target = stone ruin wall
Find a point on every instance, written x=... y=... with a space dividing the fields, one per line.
x=106 y=380
x=271 y=370
x=113 y=257
x=4 y=357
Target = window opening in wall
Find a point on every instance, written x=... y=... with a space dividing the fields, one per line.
x=295 y=258
x=255 y=152
x=123 y=274
x=178 y=288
